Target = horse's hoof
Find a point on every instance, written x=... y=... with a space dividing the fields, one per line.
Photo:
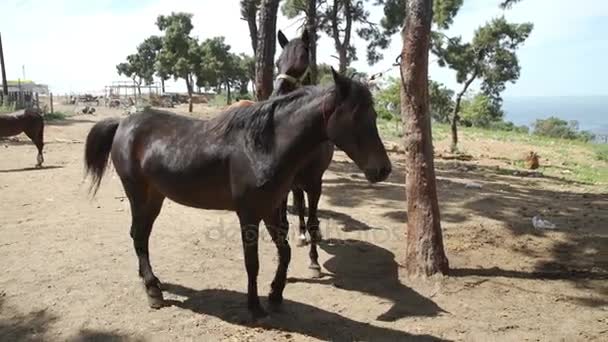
x=275 y=301
x=301 y=241
x=258 y=314
x=316 y=236
x=156 y=303
x=315 y=272
x=155 y=297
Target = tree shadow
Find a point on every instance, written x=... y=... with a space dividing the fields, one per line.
x=579 y=253
x=30 y=327
x=68 y=122
x=102 y=336
x=294 y=317
x=27 y=169
x=579 y=245
x=375 y=273
x=351 y=189
x=34 y=326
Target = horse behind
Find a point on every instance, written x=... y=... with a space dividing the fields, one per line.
x=243 y=160
x=28 y=121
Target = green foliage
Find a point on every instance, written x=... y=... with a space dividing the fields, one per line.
x=338 y=19
x=180 y=55
x=479 y=111
x=141 y=65
x=221 y=68
x=490 y=56
x=294 y=8
x=7 y=108
x=441 y=101
x=601 y=152
x=388 y=101
x=557 y=128
x=325 y=77
x=508 y=126
x=55 y=116
x=506 y=4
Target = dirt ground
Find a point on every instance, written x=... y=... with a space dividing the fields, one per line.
x=69 y=269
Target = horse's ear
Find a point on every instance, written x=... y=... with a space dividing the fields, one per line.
x=305 y=37
x=342 y=83
x=283 y=41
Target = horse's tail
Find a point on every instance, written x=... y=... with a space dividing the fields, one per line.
x=97 y=150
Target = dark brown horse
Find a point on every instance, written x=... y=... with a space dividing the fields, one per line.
x=243 y=160
x=28 y=121
x=293 y=65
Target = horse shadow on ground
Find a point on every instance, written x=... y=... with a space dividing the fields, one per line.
x=68 y=122
x=375 y=273
x=293 y=317
x=27 y=169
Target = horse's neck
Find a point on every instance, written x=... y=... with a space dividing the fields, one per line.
x=301 y=132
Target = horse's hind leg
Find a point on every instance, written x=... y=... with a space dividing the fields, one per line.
x=314 y=194
x=298 y=201
x=36 y=135
x=145 y=207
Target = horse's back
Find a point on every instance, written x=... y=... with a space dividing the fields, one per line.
x=241 y=104
x=16 y=122
x=176 y=155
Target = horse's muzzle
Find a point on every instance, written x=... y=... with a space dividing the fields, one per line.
x=376 y=175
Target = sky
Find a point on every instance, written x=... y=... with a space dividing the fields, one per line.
x=74 y=45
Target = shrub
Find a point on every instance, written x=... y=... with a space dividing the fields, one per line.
x=509 y=127
x=55 y=116
x=601 y=152
x=557 y=128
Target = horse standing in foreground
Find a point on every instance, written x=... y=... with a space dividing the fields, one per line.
x=243 y=160
x=28 y=121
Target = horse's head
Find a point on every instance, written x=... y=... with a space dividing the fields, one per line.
x=293 y=63
x=352 y=127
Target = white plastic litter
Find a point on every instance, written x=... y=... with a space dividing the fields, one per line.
x=473 y=185
x=539 y=223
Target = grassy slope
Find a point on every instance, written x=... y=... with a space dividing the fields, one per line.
x=567 y=159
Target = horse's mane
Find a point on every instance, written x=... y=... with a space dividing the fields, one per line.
x=253 y=127
x=256 y=121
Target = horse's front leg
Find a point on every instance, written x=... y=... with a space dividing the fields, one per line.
x=278 y=231
x=249 y=235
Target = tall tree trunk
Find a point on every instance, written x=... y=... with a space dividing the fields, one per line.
x=311 y=26
x=162 y=85
x=343 y=60
x=189 y=85
x=264 y=61
x=3 y=71
x=456 y=112
x=249 y=10
x=228 y=94
x=424 y=249
x=342 y=45
x=454 y=124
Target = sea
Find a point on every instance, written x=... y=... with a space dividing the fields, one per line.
x=591 y=112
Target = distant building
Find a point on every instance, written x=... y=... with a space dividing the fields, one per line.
x=27 y=86
x=23 y=94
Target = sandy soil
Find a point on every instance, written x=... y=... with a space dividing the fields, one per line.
x=69 y=269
